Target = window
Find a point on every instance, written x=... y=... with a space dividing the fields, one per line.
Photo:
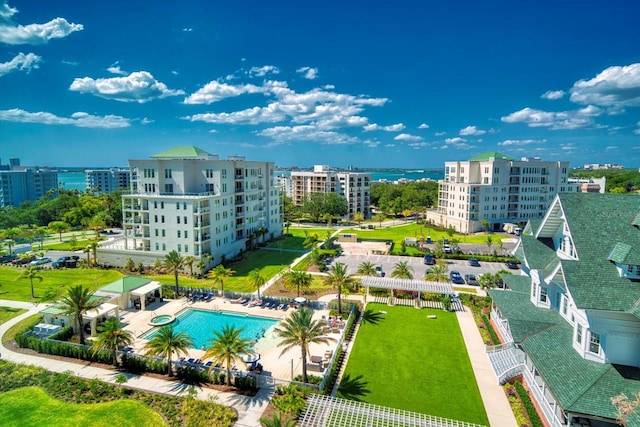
x=161 y=205
x=186 y=234
x=186 y=248
x=168 y=188
x=223 y=172
x=157 y=246
x=164 y=246
x=163 y=233
x=178 y=205
x=579 y=334
x=162 y=219
x=155 y=205
x=179 y=247
x=594 y=343
x=167 y=173
x=563 y=305
x=543 y=294
x=209 y=188
x=185 y=220
x=155 y=218
x=178 y=219
x=179 y=234
x=156 y=230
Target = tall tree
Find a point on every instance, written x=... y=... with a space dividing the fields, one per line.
x=489 y=241
x=112 y=337
x=58 y=227
x=40 y=232
x=300 y=330
x=77 y=302
x=189 y=260
x=402 y=270
x=174 y=262
x=438 y=273
x=94 y=250
x=220 y=274
x=227 y=346
x=10 y=235
x=339 y=279
x=367 y=268
x=31 y=273
x=257 y=280
x=167 y=342
x=296 y=279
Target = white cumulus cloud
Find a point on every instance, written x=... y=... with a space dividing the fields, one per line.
x=407 y=137
x=310 y=133
x=14 y=34
x=115 y=69
x=390 y=128
x=472 y=130
x=553 y=94
x=263 y=71
x=558 y=120
x=79 y=119
x=455 y=140
x=215 y=91
x=423 y=126
x=518 y=142
x=20 y=62
x=615 y=86
x=139 y=87
x=309 y=73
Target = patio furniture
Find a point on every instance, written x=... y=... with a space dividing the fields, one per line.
x=316 y=359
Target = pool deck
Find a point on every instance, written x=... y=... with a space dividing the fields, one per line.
x=276 y=363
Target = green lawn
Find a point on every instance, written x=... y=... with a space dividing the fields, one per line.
x=411 y=229
x=20 y=289
x=407 y=361
x=8 y=313
x=31 y=406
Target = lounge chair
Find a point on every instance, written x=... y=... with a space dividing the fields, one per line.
x=208 y=297
x=245 y=301
x=190 y=361
x=284 y=307
x=274 y=305
x=264 y=303
x=236 y=301
x=208 y=364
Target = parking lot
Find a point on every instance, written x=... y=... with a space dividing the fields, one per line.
x=419 y=268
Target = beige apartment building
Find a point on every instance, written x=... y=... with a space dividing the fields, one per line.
x=195 y=203
x=355 y=187
x=498 y=189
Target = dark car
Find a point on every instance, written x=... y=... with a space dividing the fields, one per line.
x=471 y=280
x=512 y=265
x=429 y=259
x=473 y=262
x=4 y=259
x=65 y=261
x=456 y=278
x=23 y=261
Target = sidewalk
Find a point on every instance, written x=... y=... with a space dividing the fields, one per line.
x=250 y=408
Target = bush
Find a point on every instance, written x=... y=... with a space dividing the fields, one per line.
x=64 y=349
x=489 y=327
x=193 y=375
x=247 y=383
x=528 y=405
x=291 y=399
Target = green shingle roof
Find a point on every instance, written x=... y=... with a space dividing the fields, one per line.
x=488 y=155
x=188 y=152
x=579 y=385
x=517 y=283
x=126 y=284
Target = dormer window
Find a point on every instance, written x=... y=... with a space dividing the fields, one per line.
x=594 y=343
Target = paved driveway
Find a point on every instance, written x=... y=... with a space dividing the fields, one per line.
x=419 y=268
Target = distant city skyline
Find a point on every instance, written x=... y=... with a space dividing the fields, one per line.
x=371 y=85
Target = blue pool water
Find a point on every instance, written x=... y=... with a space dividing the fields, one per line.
x=199 y=324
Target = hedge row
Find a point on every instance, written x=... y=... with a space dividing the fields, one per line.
x=492 y=333
x=528 y=405
x=58 y=348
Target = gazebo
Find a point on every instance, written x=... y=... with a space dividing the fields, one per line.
x=128 y=286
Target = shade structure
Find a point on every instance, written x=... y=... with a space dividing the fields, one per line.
x=300 y=300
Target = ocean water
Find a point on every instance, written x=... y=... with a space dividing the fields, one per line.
x=72 y=181
x=391 y=176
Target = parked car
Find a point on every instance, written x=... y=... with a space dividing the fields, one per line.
x=23 y=261
x=456 y=278
x=66 y=261
x=5 y=259
x=471 y=280
x=447 y=249
x=429 y=259
x=379 y=271
x=40 y=261
x=473 y=262
x=512 y=265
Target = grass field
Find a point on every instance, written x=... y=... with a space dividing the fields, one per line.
x=8 y=313
x=407 y=361
x=31 y=406
x=19 y=327
x=20 y=289
x=411 y=229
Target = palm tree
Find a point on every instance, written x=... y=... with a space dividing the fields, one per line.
x=174 y=262
x=297 y=279
x=501 y=247
x=227 y=346
x=438 y=273
x=87 y=250
x=339 y=279
x=367 y=268
x=276 y=420
x=220 y=274
x=189 y=260
x=112 y=337
x=31 y=273
x=9 y=235
x=94 y=249
x=166 y=342
x=257 y=280
x=58 y=227
x=40 y=232
x=301 y=330
x=287 y=225
x=309 y=239
x=489 y=241
x=78 y=301
x=402 y=270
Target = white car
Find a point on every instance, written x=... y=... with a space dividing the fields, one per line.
x=40 y=261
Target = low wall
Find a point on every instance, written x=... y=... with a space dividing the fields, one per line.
x=119 y=258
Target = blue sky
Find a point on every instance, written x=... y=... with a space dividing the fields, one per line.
x=369 y=84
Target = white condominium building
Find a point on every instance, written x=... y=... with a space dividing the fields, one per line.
x=107 y=180
x=21 y=183
x=190 y=201
x=498 y=189
x=355 y=187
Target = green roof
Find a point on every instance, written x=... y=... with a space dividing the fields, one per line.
x=517 y=283
x=579 y=385
x=488 y=155
x=188 y=152
x=54 y=309
x=126 y=284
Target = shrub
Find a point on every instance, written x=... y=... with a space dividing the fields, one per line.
x=489 y=328
x=247 y=383
x=292 y=399
x=528 y=405
x=193 y=375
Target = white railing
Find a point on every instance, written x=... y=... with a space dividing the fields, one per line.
x=547 y=410
x=502 y=325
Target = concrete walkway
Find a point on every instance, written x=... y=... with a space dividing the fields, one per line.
x=250 y=408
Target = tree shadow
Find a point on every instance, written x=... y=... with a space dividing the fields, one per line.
x=353 y=388
x=369 y=316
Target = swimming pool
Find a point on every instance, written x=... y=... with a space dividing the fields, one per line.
x=199 y=324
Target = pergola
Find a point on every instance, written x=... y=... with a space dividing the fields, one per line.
x=405 y=285
x=104 y=311
x=329 y=411
x=146 y=289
